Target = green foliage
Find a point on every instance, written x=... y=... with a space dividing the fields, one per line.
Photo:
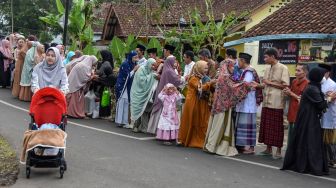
x=155 y=43
x=117 y=48
x=73 y=46
x=51 y=19
x=87 y=35
x=45 y=37
x=26 y=14
x=90 y=50
x=130 y=44
x=199 y=34
x=60 y=6
x=79 y=26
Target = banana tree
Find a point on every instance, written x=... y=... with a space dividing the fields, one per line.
x=155 y=43
x=79 y=26
x=199 y=34
x=119 y=48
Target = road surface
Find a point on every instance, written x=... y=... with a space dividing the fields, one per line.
x=101 y=155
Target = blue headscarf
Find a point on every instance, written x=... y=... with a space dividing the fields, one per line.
x=68 y=58
x=125 y=69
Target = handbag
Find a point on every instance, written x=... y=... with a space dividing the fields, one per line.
x=106 y=97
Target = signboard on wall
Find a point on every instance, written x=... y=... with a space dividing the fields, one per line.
x=288 y=50
x=318 y=50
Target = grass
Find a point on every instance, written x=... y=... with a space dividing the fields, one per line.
x=9 y=165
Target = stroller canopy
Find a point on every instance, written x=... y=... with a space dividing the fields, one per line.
x=48 y=105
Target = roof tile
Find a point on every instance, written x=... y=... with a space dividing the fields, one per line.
x=300 y=16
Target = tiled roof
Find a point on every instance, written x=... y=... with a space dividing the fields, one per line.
x=131 y=16
x=182 y=8
x=100 y=14
x=300 y=16
x=132 y=20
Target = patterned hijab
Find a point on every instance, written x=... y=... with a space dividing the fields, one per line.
x=228 y=93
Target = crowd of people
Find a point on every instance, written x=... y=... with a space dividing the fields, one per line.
x=211 y=104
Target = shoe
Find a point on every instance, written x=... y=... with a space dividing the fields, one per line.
x=247 y=152
x=264 y=153
x=331 y=165
x=167 y=143
x=177 y=143
x=135 y=130
x=277 y=157
x=128 y=126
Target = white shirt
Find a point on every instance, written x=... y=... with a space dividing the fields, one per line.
x=329 y=118
x=142 y=61
x=249 y=104
x=187 y=71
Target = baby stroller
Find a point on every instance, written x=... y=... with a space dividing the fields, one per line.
x=48 y=105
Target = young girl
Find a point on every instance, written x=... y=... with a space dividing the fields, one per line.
x=169 y=121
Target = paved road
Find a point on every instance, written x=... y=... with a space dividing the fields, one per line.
x=101 y=155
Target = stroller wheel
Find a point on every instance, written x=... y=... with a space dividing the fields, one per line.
x=61 y=171
x=27 y=172
x=65 y=165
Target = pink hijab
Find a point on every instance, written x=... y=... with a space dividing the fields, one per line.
x=60 y=47
x=168 y=76
x=80 y=74
x=5 y=49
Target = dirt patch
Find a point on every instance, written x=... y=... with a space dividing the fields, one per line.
x=9 y=165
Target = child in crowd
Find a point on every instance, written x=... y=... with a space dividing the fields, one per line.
x=169 y=121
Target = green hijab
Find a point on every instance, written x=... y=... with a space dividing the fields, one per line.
x=28 y=65
x=143 y=88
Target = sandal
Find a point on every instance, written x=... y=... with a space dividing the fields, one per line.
x=247 y=152
x=265 y=153
x=167 y=143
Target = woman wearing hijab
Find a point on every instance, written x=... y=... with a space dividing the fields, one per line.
x=168 y=76
x=123 y=88
x=20 y=44
x=21 y=54
x=142 y=91
x=73 y=63
x=79 y=79
x=34 y=56
x=50 y=73
x=60 y=47
x=70 y=56
x=306 y=152
x=220 y=137
x=196 y=110
x=104 y=79
x=6 y=58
